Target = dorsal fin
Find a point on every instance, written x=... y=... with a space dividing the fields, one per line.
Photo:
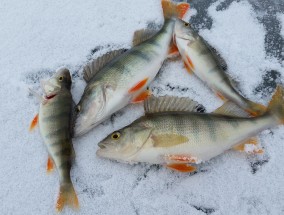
x=171 y=104
x=142 y=35
x=231 y=109
x=94 y=66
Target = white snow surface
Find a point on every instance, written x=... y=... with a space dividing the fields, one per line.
x=37 y=37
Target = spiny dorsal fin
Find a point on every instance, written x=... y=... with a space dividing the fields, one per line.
x=94 y=66
x=142 y=35
x=171 y=104
x=231 y=109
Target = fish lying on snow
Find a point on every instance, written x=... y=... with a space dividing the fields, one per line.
x=55 y=123
x=181 y=139
x=199 y=58
x=119 y=78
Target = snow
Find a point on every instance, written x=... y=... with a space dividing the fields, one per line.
x=38 y=37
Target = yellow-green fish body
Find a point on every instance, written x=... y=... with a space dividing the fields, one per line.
x=124 y=79
x=178 y=138
x=199 y=58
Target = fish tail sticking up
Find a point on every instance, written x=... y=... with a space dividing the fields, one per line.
x=171 y=9
x=276 y=105
x=256 y=109
x=67 y=196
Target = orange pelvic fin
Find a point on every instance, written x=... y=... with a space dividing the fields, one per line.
x=181 y=167
x=67 y=196
x=182 y=158
x=34 y=123
x=173 y=51
x=138 y=86
x=188 y=69
x=142 y=96
x=49 y=165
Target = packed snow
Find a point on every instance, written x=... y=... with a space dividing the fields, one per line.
x=37 y=37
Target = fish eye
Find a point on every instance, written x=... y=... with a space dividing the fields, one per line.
x=186 y=24
x=115 y=135
x=60 y=78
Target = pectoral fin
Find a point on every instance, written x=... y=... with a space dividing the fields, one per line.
x=181 y=167
x=173 y=51
x=168 y=140
x=49 y=165
x=34 y=123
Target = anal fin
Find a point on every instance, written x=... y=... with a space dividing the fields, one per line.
x=250 y=146
x=181 y=167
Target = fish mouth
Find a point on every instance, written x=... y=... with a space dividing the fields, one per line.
x=102 y=146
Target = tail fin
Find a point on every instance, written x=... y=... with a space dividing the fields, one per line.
x=276 y=105
x=256 y=109
x=172 y=9
x=67 y=196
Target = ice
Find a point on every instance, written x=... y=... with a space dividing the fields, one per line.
x=38 y=37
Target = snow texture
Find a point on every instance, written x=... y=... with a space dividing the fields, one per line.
x=37 y=37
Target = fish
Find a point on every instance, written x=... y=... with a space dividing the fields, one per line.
x=199 y=58
x=181 y=138
x=55 y=123
x=121 y=77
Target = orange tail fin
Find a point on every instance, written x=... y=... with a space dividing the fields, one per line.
x=67 y=196
x=276 y=105
x=172 y=9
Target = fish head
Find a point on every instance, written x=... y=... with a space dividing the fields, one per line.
x=183 y=31
x=122 y=145
x=90 y=111
x=61 y=79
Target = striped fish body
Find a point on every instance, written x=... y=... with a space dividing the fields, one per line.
x=199 y=58
x=117 y=84
x=55 y=118
x=205 y=136
x=180 y=137
x=55 y=127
